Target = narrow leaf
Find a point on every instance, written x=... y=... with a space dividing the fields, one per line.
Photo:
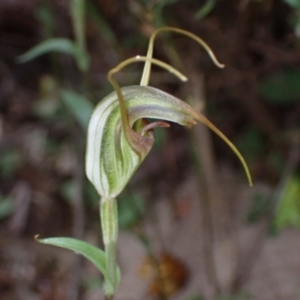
x=55 y=44
x=78 y=11
x=92 y=253
x=61 y=45
x=79 y=106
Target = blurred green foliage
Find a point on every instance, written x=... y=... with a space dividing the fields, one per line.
x=61 y=45
x=131 y=209
x=259 y=208
x=288 y=208
x=196 y=298
x=293 y=3
x=206 y=9
x=48 y=105
x=90 y=194
x=281 y=87
x=10 y=162
x=103 y=26
x=79 y=106
x=92 y=283
x=78 y=16
x=6 y=207
x=240 y=296
x=251 y=142
x=68 y=190
x=276 y=161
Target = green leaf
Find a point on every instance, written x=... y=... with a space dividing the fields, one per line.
x=61 y=45
x=78 y=12
x=92 y=253
x=55 y=44
x=79 y=106
x=288 y=209
x=281 y=87
x=92 y=283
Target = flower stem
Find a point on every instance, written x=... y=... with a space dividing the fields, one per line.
x=109 y=223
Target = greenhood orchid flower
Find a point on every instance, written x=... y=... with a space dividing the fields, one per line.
x=120 y=137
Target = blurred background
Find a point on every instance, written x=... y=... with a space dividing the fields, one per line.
x=191 y=227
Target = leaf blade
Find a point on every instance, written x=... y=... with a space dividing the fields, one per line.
x=92 y=253
x=61 y=45
x=55 y=44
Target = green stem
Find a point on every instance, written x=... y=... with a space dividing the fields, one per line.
x=78 y=14
x=109 y=223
